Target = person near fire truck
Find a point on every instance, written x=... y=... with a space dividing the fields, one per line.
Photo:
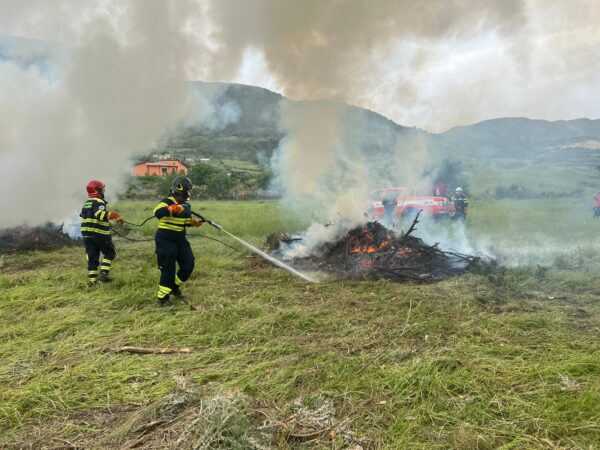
x=389 y=204
x=172 y=247
x=95 y=229
x=597 y=205
x=461 y=205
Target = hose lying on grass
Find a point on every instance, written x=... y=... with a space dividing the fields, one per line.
x=189 y=235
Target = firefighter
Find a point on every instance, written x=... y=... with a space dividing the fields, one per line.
x=172 y=247
x=95 y=229
x=461 y=205
x=389 y=204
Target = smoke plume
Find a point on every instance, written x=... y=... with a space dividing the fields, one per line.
x=329 y=50
x=116 y=90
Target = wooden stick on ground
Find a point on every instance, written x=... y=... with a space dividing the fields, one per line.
x=160 y=351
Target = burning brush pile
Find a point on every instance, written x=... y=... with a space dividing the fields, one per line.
x=24 y=238
x=373 y=252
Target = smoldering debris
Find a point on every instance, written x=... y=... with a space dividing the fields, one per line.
x=372 y=252
x=25 y=238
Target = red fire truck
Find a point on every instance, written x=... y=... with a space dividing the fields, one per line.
x=408 y=203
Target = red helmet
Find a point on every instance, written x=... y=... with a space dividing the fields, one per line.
x=95 y=188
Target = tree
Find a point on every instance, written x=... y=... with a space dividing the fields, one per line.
x=200 y=173
x=263 y=181
x=219 y=185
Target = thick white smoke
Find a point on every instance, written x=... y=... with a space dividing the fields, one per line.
x=115 y=91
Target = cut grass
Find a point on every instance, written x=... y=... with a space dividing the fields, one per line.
x=508 y=359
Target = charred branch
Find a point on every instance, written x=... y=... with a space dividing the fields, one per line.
x=413 y=225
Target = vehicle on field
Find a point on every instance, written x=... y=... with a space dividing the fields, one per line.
x=407 y=204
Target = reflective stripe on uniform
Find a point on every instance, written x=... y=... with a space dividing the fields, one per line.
x=94 y=230
x=159 y=206
x=166 y=226
x=178 y=281
x=101 y=215
x=95 y=221
x=163 y=291
x=169 y=222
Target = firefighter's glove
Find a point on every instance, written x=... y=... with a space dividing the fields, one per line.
x=175 y=209
x=196 y=223
x=115 y=216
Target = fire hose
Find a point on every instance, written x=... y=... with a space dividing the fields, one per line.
x=241 y=241
x=254 y=249
x=189 y=235
x=139 y=224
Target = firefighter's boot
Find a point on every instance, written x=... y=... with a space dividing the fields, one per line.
x=92 y=278
x=162 y=302
x=177 y=293
x=105 y=270
x=104 y=277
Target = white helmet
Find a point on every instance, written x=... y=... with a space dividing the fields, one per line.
x=458 y=189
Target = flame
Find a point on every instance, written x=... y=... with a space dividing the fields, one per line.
x=367 y=243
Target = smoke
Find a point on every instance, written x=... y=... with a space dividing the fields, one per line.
x=210 y=108
x=433 y=65
x=117 y=89
x=319 y=50
x=327 y=49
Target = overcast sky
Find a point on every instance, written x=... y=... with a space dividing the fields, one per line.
x=432 y=64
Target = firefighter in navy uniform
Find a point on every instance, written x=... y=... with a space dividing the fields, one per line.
x=172 y=247
x=95 y=229
x=461 y=205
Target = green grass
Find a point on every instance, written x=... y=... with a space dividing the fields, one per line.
x=536 y=231
x=508 y=359
x=236 y=164
x=534 y=176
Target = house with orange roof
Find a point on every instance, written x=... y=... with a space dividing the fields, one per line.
x=159 y=168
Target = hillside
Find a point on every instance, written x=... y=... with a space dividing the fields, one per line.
x=244 y=123
x=517 y=156
x=519 y=137
x=234 y=121
x=255 y=128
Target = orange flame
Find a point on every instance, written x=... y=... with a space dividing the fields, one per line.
x=367 y=243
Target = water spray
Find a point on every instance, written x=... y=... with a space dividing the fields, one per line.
x=255 y=250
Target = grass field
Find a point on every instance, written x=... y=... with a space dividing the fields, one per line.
x=509 y=358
